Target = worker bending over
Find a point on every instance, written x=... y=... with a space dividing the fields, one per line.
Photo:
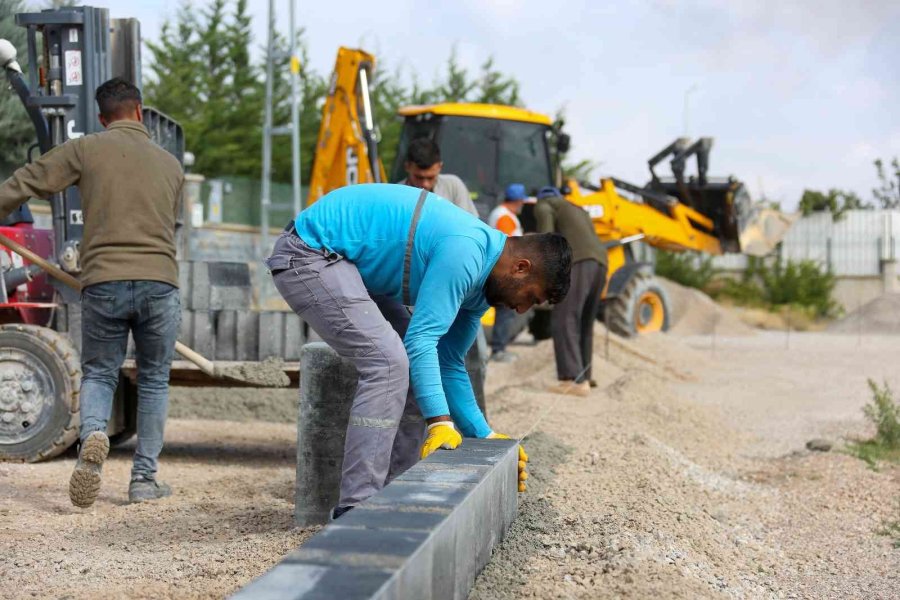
x=505 y=217
x=423 y=167
x=572 y=322
x=130 y=192
x=407 y=247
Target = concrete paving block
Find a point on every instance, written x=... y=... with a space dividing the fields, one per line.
x=271 y=334
x=227 y=335
x=229 y=285
x=294 y=337
x=296 y=581
x=426 y=535
x=203 y=334
x=248 y=335
x=198 y=299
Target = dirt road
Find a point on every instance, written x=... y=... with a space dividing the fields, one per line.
x=684 y=475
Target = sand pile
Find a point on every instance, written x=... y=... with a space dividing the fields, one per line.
x=881 y=315
x=695 y=313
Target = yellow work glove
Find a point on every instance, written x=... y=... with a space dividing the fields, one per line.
x=440 y=435
x=523 y=459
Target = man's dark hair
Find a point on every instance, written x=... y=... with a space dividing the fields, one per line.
x=117 y=97
x=423 y=152
x=551 y=255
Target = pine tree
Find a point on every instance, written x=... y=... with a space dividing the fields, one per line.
x=174 y=84
x=456 y=87
x=495 y=88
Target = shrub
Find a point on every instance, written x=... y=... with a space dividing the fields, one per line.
x=802 y=283
x=884 y=413
x=687 y=268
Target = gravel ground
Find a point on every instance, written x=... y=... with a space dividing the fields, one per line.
x=682 y=476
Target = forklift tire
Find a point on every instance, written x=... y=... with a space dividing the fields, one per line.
x=641 y=307
x=539 y=327
x=40 y=379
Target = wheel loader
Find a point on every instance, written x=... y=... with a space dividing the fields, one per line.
x=490 y=146
x=70 y=51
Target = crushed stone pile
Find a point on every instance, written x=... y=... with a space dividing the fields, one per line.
x=881 y=315
x=695 y=313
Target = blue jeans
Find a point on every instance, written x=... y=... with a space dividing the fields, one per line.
x=151 y=311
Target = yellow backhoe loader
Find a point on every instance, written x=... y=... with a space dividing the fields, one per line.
x=490 y=146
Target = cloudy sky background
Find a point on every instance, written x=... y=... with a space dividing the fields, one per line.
x=797 y=94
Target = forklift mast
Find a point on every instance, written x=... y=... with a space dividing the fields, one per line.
x=70 y=52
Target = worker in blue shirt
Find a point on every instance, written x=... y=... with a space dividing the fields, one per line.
x=407 y=247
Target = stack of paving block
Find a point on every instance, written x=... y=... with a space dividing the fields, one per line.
x=218 y=321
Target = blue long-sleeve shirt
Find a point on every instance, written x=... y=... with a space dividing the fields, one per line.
x=453 y=254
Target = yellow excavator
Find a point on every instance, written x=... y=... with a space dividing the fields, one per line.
x=489 y=146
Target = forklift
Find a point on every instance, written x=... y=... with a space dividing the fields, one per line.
x=70 y=52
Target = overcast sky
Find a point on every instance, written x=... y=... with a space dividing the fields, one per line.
x=797 y=94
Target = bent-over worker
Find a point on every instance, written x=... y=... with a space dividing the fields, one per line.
x=407 y=247
x=572 y=321
x=130 y=191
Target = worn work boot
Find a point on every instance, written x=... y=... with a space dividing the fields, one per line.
x=142 y=489
x=84 y=485
x=570 y=388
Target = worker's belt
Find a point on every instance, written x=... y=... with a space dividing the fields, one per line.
x=407 y=258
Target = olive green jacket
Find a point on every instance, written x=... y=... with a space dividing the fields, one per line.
x=573 y=223
x=130 y=194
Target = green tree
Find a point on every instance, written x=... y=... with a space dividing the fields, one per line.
x=17 y=130
x=457 y=86
x=888 y=191
x=835 y=201
x=493 y=87
x=174 y=82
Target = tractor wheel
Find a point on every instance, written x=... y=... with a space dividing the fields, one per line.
x=40 y=379
x=641 y=307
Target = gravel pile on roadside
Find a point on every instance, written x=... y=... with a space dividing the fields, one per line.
x=879 y=316
x=695 y=313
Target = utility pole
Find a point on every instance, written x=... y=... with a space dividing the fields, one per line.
x=265 y=201
x=269 y=130
x=295 y=111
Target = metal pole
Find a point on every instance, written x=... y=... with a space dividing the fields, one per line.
x=295 y=111
x=266 y=197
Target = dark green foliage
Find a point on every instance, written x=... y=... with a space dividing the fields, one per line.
x=202 y=76
x=803 y=283
x=884 y=413
x=835 y=201
x=17 y=131
x=888 y=191
x=687 y=268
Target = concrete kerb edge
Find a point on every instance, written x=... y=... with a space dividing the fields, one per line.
x=445 y=562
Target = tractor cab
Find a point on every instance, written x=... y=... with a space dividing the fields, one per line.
x=487 y=146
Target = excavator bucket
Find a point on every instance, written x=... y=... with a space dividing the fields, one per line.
x=739 y=226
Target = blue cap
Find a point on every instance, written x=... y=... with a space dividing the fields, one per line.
x=515 y=192
x=548 y=191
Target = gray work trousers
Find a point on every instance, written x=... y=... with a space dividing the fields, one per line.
x=386 y=428
x=572 y=321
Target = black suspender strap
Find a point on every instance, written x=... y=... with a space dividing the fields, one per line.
x=407 y=258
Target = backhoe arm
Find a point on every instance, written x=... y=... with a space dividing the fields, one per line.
x=346 y=149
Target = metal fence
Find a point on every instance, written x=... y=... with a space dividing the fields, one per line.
x=853 y=246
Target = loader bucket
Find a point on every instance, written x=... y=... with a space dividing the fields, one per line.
x=739 y=226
